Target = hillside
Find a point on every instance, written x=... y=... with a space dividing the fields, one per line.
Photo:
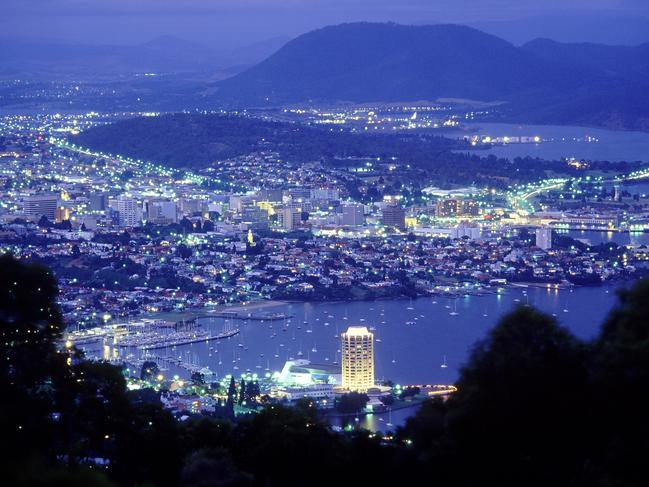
x=371 y=62
x=194 y=140
x=542 y=82
x=619 y=61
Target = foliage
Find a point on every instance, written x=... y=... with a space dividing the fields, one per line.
x=535 y=406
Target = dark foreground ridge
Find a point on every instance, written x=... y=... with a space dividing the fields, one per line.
x=536 y=406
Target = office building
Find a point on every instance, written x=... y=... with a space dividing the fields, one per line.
x=357 y=359
x=353 y=214
x=37 y=206
x=394 y=216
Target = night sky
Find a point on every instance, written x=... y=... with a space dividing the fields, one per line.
x=231 y=23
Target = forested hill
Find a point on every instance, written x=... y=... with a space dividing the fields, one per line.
x=197 y=140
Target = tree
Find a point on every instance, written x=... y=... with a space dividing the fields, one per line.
x=183 y=251
x=198 y=379
x=30 y=325
x=352 y=402
x=44 y=222
x=186 y=225
x=149 y=370
x=252 y=392
x=212 y=468
x=208 y=226
x=525 y=384
x=75 y=251
x=242 y=392
x=621 y=389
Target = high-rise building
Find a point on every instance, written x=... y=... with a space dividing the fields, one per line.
x=39 y=205
x=161 y=211
x=544 y=238
x=130 y=213
x=97 y=202
x=353 y=214
x=394 y=216
x=289 y=218
x=357 y=359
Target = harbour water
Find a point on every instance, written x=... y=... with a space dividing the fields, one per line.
x=564 y=141
x=405 y=353
x=412 y=336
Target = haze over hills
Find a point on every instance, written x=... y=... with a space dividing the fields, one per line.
x=166 y=54
x=607 y=27
x=365 y=62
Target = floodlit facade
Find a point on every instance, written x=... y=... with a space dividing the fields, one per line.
x=357 y=359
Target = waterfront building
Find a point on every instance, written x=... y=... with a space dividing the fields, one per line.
x=394 y=216
x=544 y=238
x=322 y=394
x=302 y=373
x=357 y=359
x=39 y=205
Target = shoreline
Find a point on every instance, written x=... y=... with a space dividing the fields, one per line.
x=413 y=404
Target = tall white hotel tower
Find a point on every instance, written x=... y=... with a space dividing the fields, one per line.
x=357 y=359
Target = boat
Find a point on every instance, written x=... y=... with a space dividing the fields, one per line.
x=454 y=312
x=444 y=364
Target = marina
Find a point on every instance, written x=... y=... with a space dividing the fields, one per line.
x=412 y=337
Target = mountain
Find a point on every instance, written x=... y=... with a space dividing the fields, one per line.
x=365 y=62
x=543 y=81
x=617 y=61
